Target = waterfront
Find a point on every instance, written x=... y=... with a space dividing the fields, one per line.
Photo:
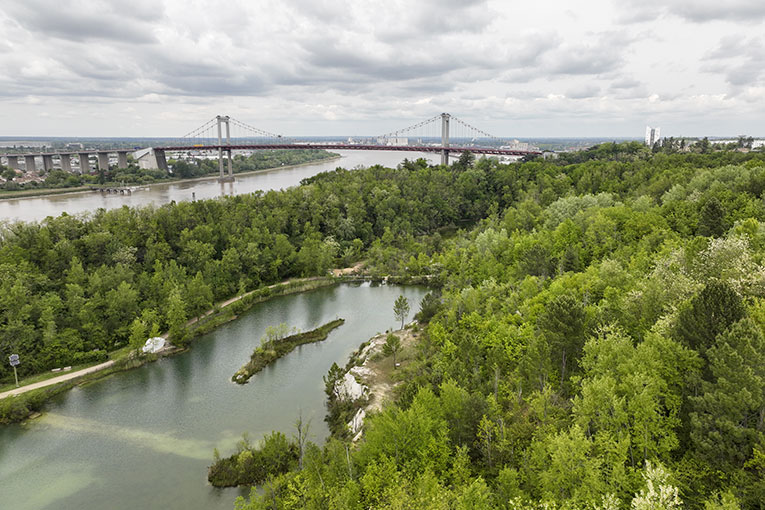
x=38 y=208
x=144 y=438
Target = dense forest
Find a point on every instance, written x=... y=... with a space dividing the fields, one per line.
x=594 y=340
x=598 y=344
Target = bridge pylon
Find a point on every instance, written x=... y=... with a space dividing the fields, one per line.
x=224 y=119
x=445 y=138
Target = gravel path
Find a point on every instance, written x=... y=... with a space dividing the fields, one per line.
x=56 y=380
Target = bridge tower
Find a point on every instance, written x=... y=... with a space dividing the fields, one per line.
x=224 y=119
x=445 y=138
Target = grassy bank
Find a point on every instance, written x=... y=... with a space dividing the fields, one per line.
x=233 y=308
x=21 y=407
x=28 y=193
x=272 y=350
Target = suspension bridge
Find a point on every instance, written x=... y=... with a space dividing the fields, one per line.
x=442 y=134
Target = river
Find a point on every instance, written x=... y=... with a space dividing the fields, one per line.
x=38 y=208
x=143 y=439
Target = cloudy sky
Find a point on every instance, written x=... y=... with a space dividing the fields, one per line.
x=314 y=67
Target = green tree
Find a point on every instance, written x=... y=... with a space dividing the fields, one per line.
x=392 y=347
x=401 y=309
x=8 y=173
x=562 y=323
x=465 y=161
x=728 y=417
x=137 y=334
x=567 y=470
x=711 y=218
x=176 y=318
x=659 y=493
x=199 y=295
x=709 y=313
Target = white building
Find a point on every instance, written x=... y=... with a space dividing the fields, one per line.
x=652 y=135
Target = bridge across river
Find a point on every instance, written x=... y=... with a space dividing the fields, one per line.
x=204 y=139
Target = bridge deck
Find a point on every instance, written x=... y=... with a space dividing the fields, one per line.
x=340 y=146
x=298 y=146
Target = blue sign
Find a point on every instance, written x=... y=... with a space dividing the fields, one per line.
x=14 y=359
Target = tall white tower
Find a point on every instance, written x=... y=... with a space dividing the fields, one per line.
x=652 y=135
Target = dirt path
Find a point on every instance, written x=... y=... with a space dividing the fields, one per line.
x=56 y=380
x=377 y=375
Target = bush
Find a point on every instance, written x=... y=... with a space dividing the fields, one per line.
x=252 y=466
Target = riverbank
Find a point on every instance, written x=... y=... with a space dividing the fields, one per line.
x=31 y=193
x=21 y=403
x=28 y=193
x=28 y=403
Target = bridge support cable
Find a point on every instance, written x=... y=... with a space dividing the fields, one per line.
x=475 y=133
x=413 y=129
x=251 y=133
x=203 y=135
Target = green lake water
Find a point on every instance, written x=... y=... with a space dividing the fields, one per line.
x=143 y=439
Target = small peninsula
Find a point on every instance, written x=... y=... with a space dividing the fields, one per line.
x=274 y=348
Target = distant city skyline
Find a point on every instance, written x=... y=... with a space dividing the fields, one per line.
x=147 y=68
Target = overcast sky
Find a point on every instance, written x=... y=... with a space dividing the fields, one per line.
x=317 y=67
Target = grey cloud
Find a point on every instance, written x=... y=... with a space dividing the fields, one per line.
x=741 y=61
x=583 y=92
x=628 y=88
x=548 y=56
x=532 y=49
x=625 y=83
x=697 y=11
x=708 y=10
x=85 y=20
x=362 y=60
x=605 y=54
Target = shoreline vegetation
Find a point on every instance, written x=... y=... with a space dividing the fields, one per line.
x=41 y=192
x=274 y=348
x=28 y=404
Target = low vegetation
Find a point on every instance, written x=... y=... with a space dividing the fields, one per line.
x=252 y=465
x=276 y=344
